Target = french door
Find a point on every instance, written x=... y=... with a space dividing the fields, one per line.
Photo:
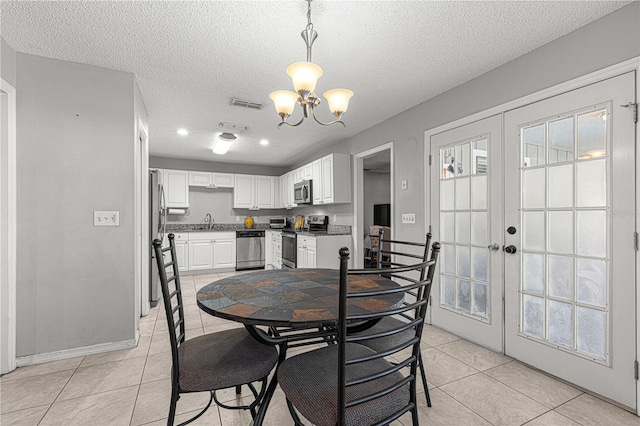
x=466 y=213
x=569 y=210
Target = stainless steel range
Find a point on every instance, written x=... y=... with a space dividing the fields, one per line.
x=315 y=223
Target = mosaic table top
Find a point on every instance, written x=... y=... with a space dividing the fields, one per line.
x=292 y=297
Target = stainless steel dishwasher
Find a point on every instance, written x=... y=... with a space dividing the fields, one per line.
x=249 y=250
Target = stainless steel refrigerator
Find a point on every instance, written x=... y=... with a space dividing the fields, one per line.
x=156 y=230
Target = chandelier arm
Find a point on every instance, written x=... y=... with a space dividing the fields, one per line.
x=289 y=124
x=313 y=110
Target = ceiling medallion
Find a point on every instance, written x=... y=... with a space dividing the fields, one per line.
x=305 y=75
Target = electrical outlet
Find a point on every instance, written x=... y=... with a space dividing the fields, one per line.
x=408 y=218
x=405 y=184
x=335 y=218
x=106 y=218
x=237 y=218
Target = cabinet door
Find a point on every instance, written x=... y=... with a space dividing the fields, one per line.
x=327 y=179
x=316 y=183
x=291 y=177
x=182 y=257
x=268 y=247
x=265 y=192
x=224 y=253
x=311 y=257
x=176 y=188
x=224 y=180
x=301 y=256
x=284 y=195
x=200 y=179
x=200 y=254
x=243 y=192
x=308 y=171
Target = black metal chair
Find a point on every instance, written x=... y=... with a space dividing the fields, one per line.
x=402 y=255
x=353 y=384
x=227 y=359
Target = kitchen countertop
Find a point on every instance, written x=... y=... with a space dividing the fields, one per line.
x=231 y=227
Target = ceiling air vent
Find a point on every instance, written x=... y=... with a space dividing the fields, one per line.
x=246 y=104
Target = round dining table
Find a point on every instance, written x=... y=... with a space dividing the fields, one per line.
x=294 y=298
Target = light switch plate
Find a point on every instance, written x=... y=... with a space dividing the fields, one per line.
x=405 y=184
x=106 y=218
x=408 y=218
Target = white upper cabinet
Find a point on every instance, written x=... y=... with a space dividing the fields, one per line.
x=308 y=171
x=211 y=180
x=254 y=192
x=327 y=171
x=176 y=188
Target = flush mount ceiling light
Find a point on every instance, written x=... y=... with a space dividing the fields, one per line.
x=223 y=143
x=264 y=142
x=183 y=132
x=305 y=75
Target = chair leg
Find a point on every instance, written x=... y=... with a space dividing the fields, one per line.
x=414 y=416
x=174 y=401
x=294 y=415
x=238 y=390
x=424 y=380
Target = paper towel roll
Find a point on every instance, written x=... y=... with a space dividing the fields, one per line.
x=176 y=211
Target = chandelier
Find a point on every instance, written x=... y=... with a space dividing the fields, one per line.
x=305 y=75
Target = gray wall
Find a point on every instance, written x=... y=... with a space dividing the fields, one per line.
x=7 y=62
x=75 y=283
x=607 y=41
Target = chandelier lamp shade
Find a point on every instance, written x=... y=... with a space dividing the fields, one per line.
x=304 y=76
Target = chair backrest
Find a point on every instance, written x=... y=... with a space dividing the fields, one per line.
x=411 y=299
x=374 y=234
x=172 y=298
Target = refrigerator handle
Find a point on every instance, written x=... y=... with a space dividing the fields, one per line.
x=163 y=214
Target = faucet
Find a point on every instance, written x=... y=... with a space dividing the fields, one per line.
x=208 y=220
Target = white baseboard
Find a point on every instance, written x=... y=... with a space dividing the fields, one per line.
x=75 y=352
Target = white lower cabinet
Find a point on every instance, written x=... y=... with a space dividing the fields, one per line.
x=224 y=250
x=321 y=251
x=181 y=241
x=212 y=250
x=273 y=250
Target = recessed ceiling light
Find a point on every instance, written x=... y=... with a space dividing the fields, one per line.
x=264 y=142
x=183 y=132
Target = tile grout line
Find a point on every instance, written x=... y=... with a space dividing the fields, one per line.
x=59 y=393
x=460 y=402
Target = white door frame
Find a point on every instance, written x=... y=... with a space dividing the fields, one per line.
x=141 y=215
x=9 y=352
x=594 y=77
x=358 y=198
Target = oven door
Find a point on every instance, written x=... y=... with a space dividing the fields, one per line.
x=289 y=249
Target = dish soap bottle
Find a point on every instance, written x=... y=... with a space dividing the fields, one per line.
x=248 y=222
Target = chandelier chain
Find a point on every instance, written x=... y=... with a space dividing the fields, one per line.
x=309 y=24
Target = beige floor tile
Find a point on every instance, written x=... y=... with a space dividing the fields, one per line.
x=103 y=377
x=211 y=417
x=139 y=351
x=111 y=408
x=45 y=368
x=433 y=336
x=473 y=355
x=146 y=329
x=444 y=410
x=154 y=398
x=441 y=368
x=213 y=321
x=158 y=367
x=277 y=412
x=544 y=389
x=32 y=391
x=226 y=395
x=552 y=418
x=230 y=325
x=28 y=417
x=589 y=410
x=190 y=321
x=159 y=343
x=493 y=401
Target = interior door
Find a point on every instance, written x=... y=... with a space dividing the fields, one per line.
x=466 y=209
x=569 y=271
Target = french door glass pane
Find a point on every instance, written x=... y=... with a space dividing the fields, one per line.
x=464 y=227
x=564 y=284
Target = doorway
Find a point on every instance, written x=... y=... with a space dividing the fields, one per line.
x=373 y=184
x=555 y=239
x=7 y=228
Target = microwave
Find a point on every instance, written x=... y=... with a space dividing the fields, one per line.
x=302 y=192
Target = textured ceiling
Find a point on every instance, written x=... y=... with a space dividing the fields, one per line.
x=190 y=58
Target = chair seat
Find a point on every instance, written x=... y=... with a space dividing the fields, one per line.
x=310 y=382
x=223 y=360
x=382 y=344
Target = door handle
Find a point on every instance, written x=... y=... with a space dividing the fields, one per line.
x=494 y=247
x=510 y=249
